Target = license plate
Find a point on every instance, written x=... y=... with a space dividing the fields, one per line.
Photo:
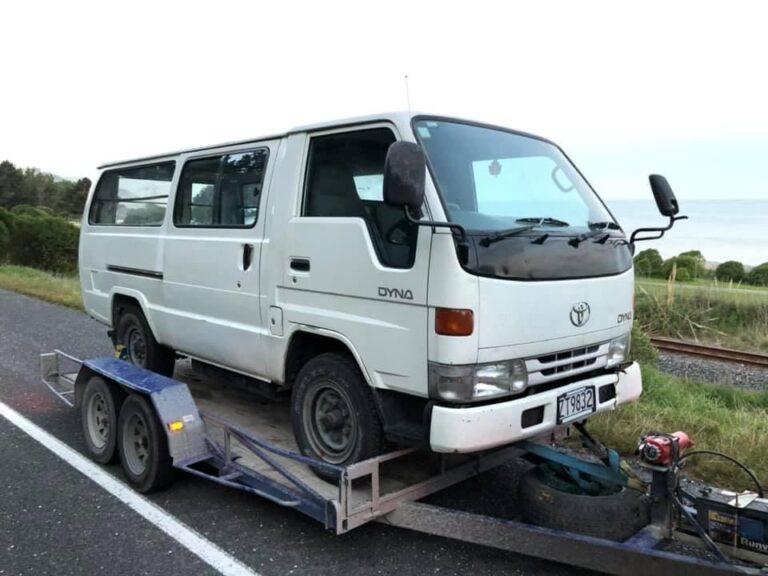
x=575 y=404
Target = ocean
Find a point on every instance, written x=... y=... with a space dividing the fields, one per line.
x=721 y=229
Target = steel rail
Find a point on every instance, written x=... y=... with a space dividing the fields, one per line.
x=711 y=352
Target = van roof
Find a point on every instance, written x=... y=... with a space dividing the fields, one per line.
x=401 y=117
x=386 y=116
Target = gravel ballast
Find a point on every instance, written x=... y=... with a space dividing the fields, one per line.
x=714 y=371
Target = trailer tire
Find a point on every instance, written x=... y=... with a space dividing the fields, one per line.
x=134 y=334
x=99 y=408
x=613 y=517
x=143 y=446
x=333 y=413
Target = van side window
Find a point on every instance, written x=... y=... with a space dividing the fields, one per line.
x=221 y=191
x=135 y=196
x=345 y=173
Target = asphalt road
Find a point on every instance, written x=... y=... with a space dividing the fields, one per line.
x=54 y=520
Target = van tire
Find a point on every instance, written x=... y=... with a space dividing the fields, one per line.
x=140 y=347
x=99 y=408
x=614 y=516
x=143 y=446
x=333 y=413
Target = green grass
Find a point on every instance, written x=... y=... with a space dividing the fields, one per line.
x=64 y=290
x=718 y=418
x=741 y=294
x=705 y=312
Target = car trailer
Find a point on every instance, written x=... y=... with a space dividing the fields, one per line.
x=229 y=448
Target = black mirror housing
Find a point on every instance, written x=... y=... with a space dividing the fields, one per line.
x=667 y=205
x=665 y=198
x=404 y=175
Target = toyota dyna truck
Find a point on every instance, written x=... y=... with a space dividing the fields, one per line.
x=410 y=280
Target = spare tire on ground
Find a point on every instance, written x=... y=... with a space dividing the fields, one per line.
x=547 y=501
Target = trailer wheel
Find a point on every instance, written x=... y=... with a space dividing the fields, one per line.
x=143 y=446
x=548 y=503
x=141 y=348
x=98 y=413
x=333 y=413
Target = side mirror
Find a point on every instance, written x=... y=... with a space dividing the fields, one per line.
x=404 y=175
x=665 y=198
x=667 y=204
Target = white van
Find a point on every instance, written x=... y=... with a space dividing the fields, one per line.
x=412 y=279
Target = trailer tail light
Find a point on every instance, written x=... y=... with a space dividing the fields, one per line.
x=454 y=322
x=177 y=426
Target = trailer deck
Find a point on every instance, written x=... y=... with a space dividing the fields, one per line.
x=237 y=440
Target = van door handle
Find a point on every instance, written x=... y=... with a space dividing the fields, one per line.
x=247 y=255
x=300 y=264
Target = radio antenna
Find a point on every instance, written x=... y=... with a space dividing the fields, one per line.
x=407 y=95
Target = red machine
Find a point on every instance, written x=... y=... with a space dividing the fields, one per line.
x=663 y=449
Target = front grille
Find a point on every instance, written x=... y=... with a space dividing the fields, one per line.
x=565 y=363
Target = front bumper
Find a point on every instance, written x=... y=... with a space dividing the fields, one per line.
x=481 y=427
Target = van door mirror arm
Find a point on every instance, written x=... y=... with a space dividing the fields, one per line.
x=452 y=225
x=658 y=232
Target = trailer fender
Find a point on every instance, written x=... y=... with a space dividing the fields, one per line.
x=171 y=400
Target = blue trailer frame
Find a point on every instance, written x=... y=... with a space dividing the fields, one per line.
x=194 y=450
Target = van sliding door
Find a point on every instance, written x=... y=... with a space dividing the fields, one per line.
x=211 y=257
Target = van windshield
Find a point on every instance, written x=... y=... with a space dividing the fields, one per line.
x=492 y=180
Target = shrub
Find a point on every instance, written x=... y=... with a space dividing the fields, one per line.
x=758 y=276
x=730 y=271
x=683 y=275
x=27 y=210
x=44 y=242
x=649 y=263
x=642 y=350
x=6 y=218
x=4 y=241
x=689 y=267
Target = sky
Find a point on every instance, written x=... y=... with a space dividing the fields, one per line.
x=678 y=88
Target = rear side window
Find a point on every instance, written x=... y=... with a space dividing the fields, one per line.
x=221 y=191
x=135 y=196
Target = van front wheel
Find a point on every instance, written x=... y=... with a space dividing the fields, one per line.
x=333 y=413
x=140 y=347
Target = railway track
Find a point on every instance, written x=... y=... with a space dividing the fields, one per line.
x=711 y=352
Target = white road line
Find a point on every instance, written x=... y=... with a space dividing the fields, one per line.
x=206 y=550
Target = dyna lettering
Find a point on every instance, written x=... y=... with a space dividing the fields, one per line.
x=395 y=293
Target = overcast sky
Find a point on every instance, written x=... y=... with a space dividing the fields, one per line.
x=679 y=88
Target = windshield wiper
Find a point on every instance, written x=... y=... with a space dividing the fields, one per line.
x=486 y=241
x=543 y=221
x=596 y=229
x=607 y=225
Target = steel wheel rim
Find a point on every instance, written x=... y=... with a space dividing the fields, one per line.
x=330 y=422
x=137 y=347
x=136 y=448
x=97 y=417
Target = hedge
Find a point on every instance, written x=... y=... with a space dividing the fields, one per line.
x=42 y=241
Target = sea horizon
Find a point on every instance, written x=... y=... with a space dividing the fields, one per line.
x=733 y=229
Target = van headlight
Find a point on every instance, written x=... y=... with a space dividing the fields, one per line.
x=618 y=350
x=470 y=383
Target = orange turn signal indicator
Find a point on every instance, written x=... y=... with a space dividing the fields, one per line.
x=454 y=322
x=177 y=426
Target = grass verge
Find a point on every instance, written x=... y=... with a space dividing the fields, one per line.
x=720 y=418
x=64 y=290
x=734 y=318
